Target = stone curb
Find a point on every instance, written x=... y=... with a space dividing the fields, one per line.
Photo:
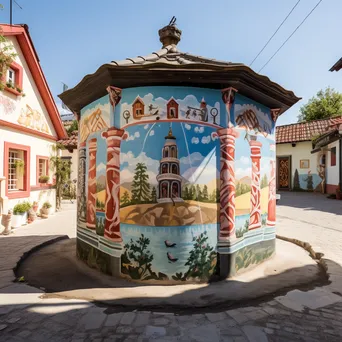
x=34 y=249
x=317 y=256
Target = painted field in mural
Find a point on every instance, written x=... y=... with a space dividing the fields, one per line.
x=169 y=175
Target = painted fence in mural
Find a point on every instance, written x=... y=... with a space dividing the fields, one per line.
x=172 y=174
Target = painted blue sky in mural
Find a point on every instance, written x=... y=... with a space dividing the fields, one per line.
x=197 y=145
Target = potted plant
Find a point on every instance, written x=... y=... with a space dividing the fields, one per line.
x=44 y=179
x=19 y=216
x=45 y=210
x=35 y=206
x=31 y=215
x=338 y=192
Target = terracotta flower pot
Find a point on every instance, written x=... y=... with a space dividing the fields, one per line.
x=6 y=222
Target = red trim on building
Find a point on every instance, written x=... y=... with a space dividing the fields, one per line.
x=22 y=129
x=27 y=48
x=43 y=185
x=331 y=188
x=27 y=155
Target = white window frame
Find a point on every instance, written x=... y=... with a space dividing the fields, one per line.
x=8 y=78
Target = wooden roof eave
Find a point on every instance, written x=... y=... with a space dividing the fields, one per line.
x=257 y=87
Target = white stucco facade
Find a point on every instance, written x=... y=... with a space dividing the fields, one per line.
x=25 y=123
x=333 y=170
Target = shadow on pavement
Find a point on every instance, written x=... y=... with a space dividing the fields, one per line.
x=56 y=270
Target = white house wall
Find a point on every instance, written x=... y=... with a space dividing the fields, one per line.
x=27 y=111
x=21 y=105
x=333 y=171
x=39 y=147
x=301 y=151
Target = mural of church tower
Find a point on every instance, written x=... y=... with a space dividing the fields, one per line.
x=169 y=179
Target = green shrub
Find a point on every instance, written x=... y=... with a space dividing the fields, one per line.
x=21 y=208
x=44 y=179
x=47 y=205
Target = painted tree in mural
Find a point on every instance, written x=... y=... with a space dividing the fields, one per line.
x=264 y=182
x=309 y=182
x=296 y=185
x=154 y=195
x=199 y=195
x=242 y=188
x=201 y=258
x=140 y=185
x=205 y=194
x=125 y=200
x=186 y=194
x=192 y=193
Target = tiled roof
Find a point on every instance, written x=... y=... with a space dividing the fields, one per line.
x=70 y=142
x=305 y=131
x=172 y=56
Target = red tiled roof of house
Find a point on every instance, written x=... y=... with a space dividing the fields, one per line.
x=70 y=142
x=305 y=131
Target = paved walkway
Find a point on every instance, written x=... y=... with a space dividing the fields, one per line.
x=314 y=315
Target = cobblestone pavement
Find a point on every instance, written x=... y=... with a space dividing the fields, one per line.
x=314 y=315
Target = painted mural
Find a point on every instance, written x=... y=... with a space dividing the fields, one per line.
x=23 y=114
x=169 y=177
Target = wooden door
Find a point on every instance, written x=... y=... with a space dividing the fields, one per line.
x=284 y=173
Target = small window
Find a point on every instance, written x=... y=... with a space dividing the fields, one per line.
x=42 y=167
x=16 y=170
x=10 y=76
x=333 y=157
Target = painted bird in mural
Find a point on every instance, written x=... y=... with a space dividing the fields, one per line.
x=171 y=257
x=169 y=244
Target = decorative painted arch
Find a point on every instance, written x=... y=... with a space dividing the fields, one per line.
x=175 y=189
x=164 y=189
x=173 y=151
x=174 y=169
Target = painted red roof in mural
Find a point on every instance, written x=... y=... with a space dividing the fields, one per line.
x=26 y=45
x=305 y=131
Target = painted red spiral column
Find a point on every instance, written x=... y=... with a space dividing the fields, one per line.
x=112 y=206
x=227 y=183
x=271 y=213
x=255 y=213
x=91 y=197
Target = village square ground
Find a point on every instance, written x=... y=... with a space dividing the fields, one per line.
x=311 y=315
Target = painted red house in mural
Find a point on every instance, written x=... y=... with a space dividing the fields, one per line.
x=30 y=125
x=172 y=109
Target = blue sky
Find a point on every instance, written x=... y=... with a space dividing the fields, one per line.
x=73 y=38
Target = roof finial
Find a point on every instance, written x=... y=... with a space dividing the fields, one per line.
x=170 y=34
x=173 y=21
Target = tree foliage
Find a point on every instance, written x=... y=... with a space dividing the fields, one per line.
x=7 y=56
x=73 y=127
x=62 y=170
x=327 y=103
